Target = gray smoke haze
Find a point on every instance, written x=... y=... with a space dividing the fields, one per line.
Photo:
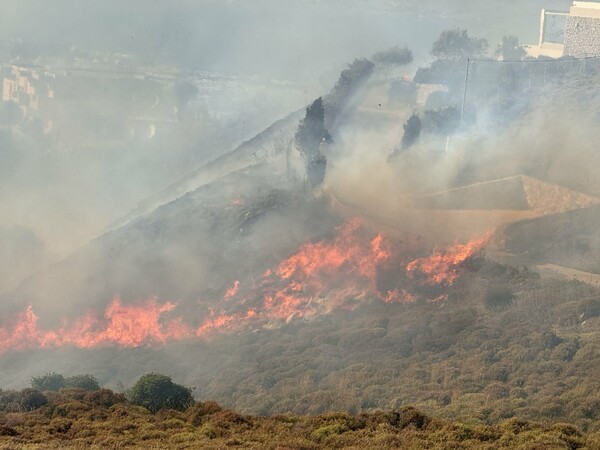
x=554 y=139
x=207 y=199
x=300 y=40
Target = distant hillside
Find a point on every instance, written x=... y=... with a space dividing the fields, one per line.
x=267 y=144
x=188 y=250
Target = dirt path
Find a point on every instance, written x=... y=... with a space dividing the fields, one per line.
x=554 y=270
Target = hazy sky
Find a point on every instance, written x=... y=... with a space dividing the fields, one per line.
x=285 y=38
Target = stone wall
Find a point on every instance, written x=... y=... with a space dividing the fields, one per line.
x=582 y=36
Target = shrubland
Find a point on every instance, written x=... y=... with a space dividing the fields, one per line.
x=73 y=419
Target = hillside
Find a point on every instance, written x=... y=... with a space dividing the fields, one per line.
x=505 y=344
x=266 y=145
x=216 y=230
x=371 y=291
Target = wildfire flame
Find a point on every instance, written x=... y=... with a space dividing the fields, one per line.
x=232 y=291
x=320 y=277
x=443 y=266
x=123 y=325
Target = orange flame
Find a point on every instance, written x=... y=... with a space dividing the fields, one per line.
x=443 y=266
x=232 y=291
x=319 y=278
x=124 y=325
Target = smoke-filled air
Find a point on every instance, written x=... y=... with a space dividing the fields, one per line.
x=299 y=224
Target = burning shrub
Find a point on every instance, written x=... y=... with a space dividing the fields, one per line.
x=155 y=392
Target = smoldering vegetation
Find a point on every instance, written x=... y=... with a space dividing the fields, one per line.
x=418 y=164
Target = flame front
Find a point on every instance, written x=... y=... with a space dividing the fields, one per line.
x=321 y=277
x=123 y=325
x=443 y=266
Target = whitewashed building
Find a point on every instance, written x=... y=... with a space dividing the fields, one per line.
x=569 y=33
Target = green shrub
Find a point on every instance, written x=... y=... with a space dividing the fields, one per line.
x=9 y=401
x=72 y=393
x=49 y=382
x=155 y=392
x=104 y=397
x=328 y=430
x=86 y=382
x=410 y=416
x=32 y=399
x=197 y=413
x=588 y=308
x=498 y=298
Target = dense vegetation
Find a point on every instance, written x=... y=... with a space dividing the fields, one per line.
x=154 y=392
x=505 y=347
x=505 y=344
x=76 y=419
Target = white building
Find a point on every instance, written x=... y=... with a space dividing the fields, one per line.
x=569 y=33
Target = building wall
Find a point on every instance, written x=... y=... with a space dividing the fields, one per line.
x=582 y=36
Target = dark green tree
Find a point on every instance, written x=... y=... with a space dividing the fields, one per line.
x=498 y=297
x=310 y=135
x=412 y=132
x=443 y=121
x=32 y=399
x=351 y=78
x=311 y=130
x=86 y=382
x=393 y=57
x=155 y=392
x=49 y=382
x=456 y=44
x=510 y=49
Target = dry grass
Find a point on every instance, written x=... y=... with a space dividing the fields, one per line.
x=207 y=426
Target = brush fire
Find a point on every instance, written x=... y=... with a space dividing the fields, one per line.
x=353 y=267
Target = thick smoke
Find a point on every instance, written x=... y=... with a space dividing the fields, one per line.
x=214 y=202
